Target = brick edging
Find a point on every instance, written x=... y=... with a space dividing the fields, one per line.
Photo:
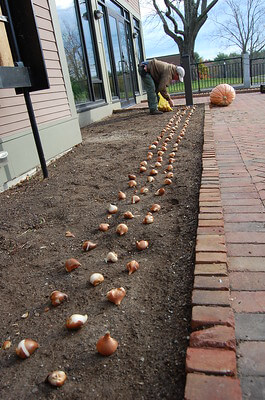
x=211 y=355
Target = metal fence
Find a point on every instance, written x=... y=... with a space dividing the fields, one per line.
x=257 y=71
x=208 y=74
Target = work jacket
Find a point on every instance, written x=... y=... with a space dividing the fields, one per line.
x=162 y=73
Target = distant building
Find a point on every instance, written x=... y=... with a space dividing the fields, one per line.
x=91 y=50
x=171 y=59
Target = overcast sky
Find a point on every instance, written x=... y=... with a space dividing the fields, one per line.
x=157 y=43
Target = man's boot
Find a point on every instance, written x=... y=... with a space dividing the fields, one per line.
x=156 y=112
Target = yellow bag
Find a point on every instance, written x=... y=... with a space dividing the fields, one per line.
x=163 y=104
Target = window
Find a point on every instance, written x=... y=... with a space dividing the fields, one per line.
x=81 y=52
x=114 y=7
x=131 y=57
x=138 y=40
x=110 y=68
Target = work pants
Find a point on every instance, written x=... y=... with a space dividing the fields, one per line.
x=150 y=88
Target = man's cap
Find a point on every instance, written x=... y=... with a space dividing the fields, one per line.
x=181 y=73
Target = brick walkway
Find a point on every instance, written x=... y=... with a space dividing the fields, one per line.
x=240 y=151
x=229 y=285
x=226 y=355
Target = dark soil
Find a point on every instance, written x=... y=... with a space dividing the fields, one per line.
x=152 y=324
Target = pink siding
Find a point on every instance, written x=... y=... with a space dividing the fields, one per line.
x=134 y=4
x=49 y=105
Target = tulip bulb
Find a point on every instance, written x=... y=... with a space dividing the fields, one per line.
x=106 y=345
x=167 y=181
x=155 y=208
x=128 y=215
x=135 y=199
x=172 y=154
x=132 y=266
x=157 y=164
x=132 y=183
x=169 y=167
x=76 y=321
x=142 y=244
x=116 y=295
x=171 y=160
x=71 y=264
x=26 y=347
x=112 y=209
x=149 y=157
x=142 y=169
x=122 y=229
x=131 y=177
x=103 y=227
x=169 y=175
x=160 y=192
x=143 y=163
x=6 y=345
x=111 y=257
x=57 y=297
x=160 y=153
x=153 y=172
x=148 y=219
x=69 y=234
x=88 y=245
x=96 y=278
x=150 y=179
x=144 y=190
x=56 y=378
x=160 y=159
x=121 y=195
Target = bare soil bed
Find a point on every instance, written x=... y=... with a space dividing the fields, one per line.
x=152 y=323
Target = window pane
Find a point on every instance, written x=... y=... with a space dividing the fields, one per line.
x=136 y=23
x=98 y=91
x=73 y=50
x=138 y=44
x=88 y=39
x=107 y=55
x=130 y=57
x=117 y=56
x=125 y=59
x=114 y=7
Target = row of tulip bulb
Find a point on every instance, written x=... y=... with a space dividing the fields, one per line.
x=106 y=345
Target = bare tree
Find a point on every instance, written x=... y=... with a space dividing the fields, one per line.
x=243 y=25
x=182 y=20
x=73 y=51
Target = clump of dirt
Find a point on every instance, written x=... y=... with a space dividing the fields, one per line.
x=152 y=323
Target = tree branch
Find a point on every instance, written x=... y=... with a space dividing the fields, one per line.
x=205 y=9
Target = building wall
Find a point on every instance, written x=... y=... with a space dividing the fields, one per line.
x=58 y=121
x=134 y=4
x=171 y=59
x=54 y=111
